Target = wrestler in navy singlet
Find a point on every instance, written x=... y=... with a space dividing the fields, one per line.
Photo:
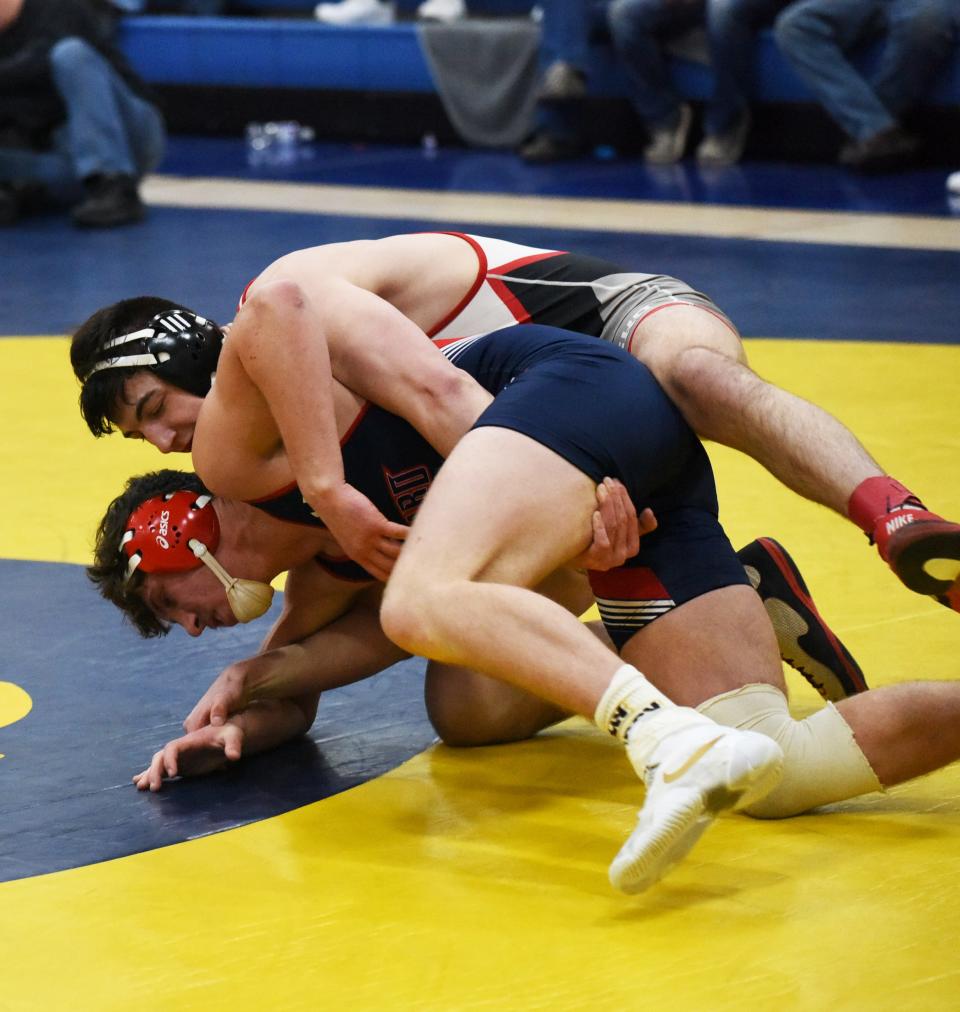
x=571 y=395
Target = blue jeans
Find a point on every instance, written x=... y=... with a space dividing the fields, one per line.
x=642 y=28
x=566 y=30
x=732 y=27
x=816 y=36
x=108 y=129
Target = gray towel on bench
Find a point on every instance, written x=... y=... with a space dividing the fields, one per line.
x=486 y=74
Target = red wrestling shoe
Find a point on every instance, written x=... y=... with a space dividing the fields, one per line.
x=923 y=550
x=806 y=642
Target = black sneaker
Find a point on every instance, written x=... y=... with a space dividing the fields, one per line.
x=544 y=147
x=111 y=200
x=881 y=152
x=806 y=642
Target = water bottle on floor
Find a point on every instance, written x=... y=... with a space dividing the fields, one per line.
x=278 y=142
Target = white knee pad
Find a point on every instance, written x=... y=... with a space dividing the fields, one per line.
x=822 y=761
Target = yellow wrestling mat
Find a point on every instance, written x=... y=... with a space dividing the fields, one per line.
x=477 y=879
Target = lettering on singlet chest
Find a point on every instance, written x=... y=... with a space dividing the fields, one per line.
x=407 y=489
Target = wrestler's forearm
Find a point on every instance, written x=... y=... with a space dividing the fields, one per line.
x=269 y=723
x=386 y=358
x=349 y=649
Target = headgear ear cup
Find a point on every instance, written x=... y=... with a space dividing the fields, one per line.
x=248 y=599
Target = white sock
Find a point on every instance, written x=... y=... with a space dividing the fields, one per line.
x=636 y=712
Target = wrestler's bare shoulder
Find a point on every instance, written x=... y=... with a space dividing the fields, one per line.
x=388 y=267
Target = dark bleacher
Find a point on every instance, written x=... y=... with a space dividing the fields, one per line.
x=365 y=82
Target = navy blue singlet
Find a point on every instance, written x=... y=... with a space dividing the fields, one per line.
x=590 y=402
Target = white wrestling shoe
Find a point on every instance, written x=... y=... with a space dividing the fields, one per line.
x=355 y=12
x=691 y=777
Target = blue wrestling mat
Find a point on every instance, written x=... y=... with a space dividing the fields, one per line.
x=104 y=700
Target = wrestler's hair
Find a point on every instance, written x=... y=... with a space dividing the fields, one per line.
x=102 y=391
x=109 y=570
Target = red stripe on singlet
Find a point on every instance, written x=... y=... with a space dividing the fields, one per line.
x=634 y=584
x=474 y=288
x=511 y=301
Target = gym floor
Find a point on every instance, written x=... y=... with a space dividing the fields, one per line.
x=365 y=866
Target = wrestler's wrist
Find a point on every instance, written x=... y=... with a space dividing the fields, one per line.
x=329 y=495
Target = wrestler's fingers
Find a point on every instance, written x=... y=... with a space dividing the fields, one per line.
x=396 y=531
x=629 y=527
x=390 y=548
x=170 y=760
x=619 y=500
x=620 y=525
x=152 y=776
x=623 y=496
x=601 y=538
x=647 y=521
x=198 y=717
x=232 y=743
x=219 y=713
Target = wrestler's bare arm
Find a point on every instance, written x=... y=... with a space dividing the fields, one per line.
x=263 y=701
x=328 y=635
x=289 y=348
x=293 y=341
x=263 y=725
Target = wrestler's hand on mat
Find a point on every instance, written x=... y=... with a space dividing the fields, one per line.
x=203 y=751
x=227 y=694
x=361 y=530
x=617 y=528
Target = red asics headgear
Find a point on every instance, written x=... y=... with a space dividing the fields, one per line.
x=159 y=532
x=176 y=532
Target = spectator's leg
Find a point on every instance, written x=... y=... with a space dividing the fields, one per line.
x=815 y=36
x=732 y=27
x=111 y=130
x=638 y=29
x=565 y=32
x=46 y=168
x=919 y=39
x=113 y=136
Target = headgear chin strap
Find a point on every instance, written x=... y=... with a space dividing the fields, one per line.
x=174 y=533
x=179 y=346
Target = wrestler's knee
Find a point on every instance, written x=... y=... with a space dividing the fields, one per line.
x=409 y=614
x=822 y=761
x=458 y=728
x=468 y=709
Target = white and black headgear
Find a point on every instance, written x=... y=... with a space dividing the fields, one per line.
x=177 y=345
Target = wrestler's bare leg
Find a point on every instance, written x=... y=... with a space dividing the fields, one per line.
x=702 y=365
x=503 y=512
x=892 y=734
x=467 y=708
